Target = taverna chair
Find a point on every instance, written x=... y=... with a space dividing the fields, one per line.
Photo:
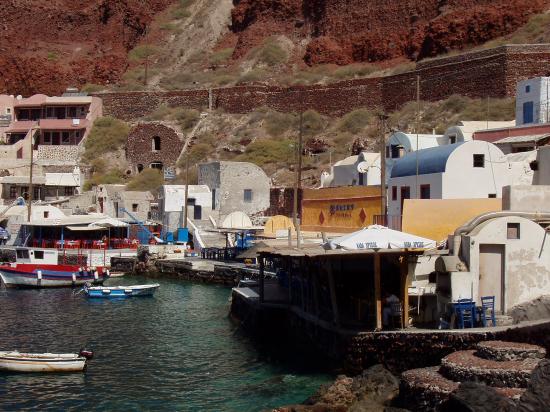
x=465 y=310
x=397 y=312
x=488 y=310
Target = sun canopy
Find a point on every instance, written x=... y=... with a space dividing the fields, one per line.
x=379 y=237
x=109 y=222
x=85 y=228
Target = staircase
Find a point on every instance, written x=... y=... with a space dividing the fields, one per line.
x=505 y=367
x=208 y=237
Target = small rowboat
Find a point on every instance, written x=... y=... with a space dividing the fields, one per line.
x=15 y=361
x=120 y=291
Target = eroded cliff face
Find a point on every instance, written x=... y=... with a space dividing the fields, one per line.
x=47 y=45
x=344 y=32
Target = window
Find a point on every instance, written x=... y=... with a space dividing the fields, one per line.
x=213 y=199
x=397 y=151
x=492 y=195
x=36 y=192
x=47 y=138
x=65 y=138
x=513 y=231
x=405 y=194
x=115 y=206
x=452 y=139
x=527 y=89
x=479 y=160
x=156 y=165
x=156 y=144
x=387 y=152
x=49 y=112
x=46 y=214
x=13 y=192
x=19 y=153
x=425 y=192
x=248 y=195
x=22 y=253
x=39 y=254
x=134 y=207
x=394 y=193
x=72 y=112
x=69 y=191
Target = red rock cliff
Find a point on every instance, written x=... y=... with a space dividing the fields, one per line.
x=47 y=45
x=349 y=31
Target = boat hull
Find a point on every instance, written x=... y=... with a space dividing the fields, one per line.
x=27 y=276
x=121 y=291
x=21 y=363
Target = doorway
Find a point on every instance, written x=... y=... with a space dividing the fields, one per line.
x=491 y=274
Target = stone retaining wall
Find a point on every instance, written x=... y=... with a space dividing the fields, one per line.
x=68 y=154
x=488 y=73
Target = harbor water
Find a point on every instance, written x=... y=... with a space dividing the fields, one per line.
x=176 y=351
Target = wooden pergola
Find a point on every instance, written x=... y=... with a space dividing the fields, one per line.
x=314 y=259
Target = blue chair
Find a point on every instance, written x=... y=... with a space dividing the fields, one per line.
x=465 y=310
x=488 y=305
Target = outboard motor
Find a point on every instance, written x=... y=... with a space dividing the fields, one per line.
x=85 y=353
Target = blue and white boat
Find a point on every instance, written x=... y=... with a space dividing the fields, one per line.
x=120 y=291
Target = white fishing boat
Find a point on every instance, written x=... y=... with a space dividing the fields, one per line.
x=120 y=291
x=15 y=361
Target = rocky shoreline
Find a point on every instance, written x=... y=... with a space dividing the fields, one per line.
x=498 y=376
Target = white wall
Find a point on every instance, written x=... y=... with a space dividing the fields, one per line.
x=542 y=175
x=435 y=180
x=526 y=269
x=538 y=94
x=463 y=181
x=346 y=173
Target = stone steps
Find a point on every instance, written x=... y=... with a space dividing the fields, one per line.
x=509 y=351
x=466 y=366
x=505 y=368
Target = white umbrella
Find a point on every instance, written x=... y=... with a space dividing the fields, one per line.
x=379 y=237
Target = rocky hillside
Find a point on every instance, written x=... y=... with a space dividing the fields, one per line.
x=333 y=31
x=47 y=45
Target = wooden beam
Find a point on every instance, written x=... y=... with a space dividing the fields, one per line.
x=262 y=271
x=377 y=294
x=405 y=283
x=332 y=287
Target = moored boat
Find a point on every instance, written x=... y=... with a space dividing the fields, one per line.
x=120 y=291
x=39 y=268
x=14 y=361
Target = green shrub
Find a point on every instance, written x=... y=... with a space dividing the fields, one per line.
x=355 y=121
x=269 y=151
x=52 y=56
x=312 y=122
x=148 y=179
x=186 y=118
x=276 y=123
x=107 y=135
x=221 y=56
x=141 y=52
x=355 y=70
x=101 y=174
x=253 y=75
x=271 y=53
x=177 y=81
x=198 y=153
x=92 y=88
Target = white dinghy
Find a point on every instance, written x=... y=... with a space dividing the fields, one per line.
x=15 y=361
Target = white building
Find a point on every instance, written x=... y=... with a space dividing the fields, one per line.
x=171 y=201
x=466 y=170
x=533 y=101
x=360 y=170
x=464 y=130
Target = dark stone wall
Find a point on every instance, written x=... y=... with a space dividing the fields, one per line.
x=488 y=73
x=139 y=146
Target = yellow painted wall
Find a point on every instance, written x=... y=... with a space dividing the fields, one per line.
x=340 y=209
x=438 y=218
x=275 y=223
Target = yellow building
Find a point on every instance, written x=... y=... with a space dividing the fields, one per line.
x=340 y=209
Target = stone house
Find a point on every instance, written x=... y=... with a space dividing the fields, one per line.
x=172 y=198
x=112 y=199
x=155 y=145
x=235 y=186
x=359 y=170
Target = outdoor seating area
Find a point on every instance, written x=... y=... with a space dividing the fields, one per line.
x=114 y=243
x=468 y=315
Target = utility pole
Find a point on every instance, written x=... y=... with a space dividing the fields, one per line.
x=417 y=189
x=298 y=182
x=186 y=191
x=31 y=189
x=383 y=119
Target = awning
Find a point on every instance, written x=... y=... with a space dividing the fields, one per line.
x=379 y=237
x=86 y=228
x=109 y=222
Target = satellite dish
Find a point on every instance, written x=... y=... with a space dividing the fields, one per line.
x=363 y=167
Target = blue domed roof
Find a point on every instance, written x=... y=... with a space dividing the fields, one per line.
x=432 y=160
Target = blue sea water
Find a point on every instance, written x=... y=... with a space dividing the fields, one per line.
x=176 y=351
